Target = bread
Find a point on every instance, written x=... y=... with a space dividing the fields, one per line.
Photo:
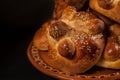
x=75 y=41
x=111 y=55
x=108 y=8
x=60 y=5
x=40 y=38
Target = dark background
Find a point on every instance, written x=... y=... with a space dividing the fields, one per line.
x=19 y=20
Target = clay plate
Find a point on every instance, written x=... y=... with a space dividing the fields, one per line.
x=96 y=73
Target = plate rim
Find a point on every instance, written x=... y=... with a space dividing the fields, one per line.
x=54 y=74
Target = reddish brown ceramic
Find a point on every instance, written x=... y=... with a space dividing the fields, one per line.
x=37 y=57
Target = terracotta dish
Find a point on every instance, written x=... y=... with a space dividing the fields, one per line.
x=37 y=57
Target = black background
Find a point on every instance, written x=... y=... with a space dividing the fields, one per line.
x=19 y=20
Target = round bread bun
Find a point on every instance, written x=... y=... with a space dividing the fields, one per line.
x=108 y=8
x=111 y=55
x=75 y=41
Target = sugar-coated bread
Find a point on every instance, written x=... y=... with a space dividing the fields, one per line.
x=75 y=41
x=111 y=55
x=109 y=8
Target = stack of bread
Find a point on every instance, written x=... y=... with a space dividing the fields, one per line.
x=80 y=36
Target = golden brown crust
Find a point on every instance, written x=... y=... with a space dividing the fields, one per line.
x=80 y=46
x=111 y=55
x=58 y=29
x=60 y=5
x=66 y=49
x=106 y=4
x=115 y=29
x=112 y=51
x=40 y=38
x=110 y=8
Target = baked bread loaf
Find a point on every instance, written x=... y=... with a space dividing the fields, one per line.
x=75 y=41
x=109 y=8
x=60 y=5
x=111 y=55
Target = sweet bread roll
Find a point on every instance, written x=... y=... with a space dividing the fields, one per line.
x=60 y=5
x=75 y=41
x=111 y=55
x=40 y=38
x=109 y=8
